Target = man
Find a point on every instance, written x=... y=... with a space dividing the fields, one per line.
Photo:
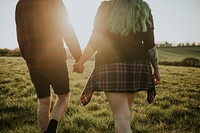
x=41 y=26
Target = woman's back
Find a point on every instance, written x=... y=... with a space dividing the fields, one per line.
x=115 y=47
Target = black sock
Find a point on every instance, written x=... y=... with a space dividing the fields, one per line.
x=52 y=125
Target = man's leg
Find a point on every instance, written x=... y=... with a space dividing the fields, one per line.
x=59 y=80
x=44 y=113
x=60 y=106
x=42 y=88
x=121 y=113
x=58 y=110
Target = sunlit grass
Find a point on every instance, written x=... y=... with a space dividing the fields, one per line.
x=175 y=109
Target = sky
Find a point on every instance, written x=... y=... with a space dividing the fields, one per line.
x=175 y=21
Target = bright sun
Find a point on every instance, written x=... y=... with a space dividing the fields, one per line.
x=82 y=15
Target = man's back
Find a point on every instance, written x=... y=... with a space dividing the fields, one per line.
x=42 y=27
x=39 y=30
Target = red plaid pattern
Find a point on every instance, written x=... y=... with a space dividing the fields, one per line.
x=120 y=77
x=39 y=26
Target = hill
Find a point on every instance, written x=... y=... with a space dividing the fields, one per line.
x=178 y=53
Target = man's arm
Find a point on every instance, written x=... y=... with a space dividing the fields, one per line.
x=72 y=42
x=68 y=32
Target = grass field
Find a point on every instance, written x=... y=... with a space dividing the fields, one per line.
x=178 y=53
x=176 y=108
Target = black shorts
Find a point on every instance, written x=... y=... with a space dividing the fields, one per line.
x=58 y=78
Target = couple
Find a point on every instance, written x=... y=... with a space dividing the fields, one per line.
x=122 y=38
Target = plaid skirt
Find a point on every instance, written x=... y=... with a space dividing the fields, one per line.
x=128 y=77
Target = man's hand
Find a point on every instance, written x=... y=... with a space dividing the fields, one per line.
x=78 y=68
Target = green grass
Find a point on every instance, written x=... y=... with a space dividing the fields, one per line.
x=178 y=53
x=176 y=108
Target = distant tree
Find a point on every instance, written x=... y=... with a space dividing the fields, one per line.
x=180 y=45
x=193 y=44
x=165 y=45
x=4 y=52
x=187 y=44
x=15 y=53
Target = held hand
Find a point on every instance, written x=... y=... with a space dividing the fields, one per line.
x=78 y=68
x=156 y=77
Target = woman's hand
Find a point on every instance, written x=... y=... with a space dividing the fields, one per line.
x=156 y=77
x=78 y=68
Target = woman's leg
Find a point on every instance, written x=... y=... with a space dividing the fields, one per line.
x=130 y=97
x=121 y=113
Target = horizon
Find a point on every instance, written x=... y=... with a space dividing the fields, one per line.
x=175 y=21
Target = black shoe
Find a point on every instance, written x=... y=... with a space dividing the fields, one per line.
x=49 y=131
x=46 y=131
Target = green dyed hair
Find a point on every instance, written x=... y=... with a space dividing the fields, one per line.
x=129 y=15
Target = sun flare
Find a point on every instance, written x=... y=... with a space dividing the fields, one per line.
x=82 y=15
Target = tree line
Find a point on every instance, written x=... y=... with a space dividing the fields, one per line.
x=169 y=45
x=5 y=52
x=10 y=53
x=16 y=52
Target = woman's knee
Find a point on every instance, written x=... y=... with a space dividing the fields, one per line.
x=119 y=105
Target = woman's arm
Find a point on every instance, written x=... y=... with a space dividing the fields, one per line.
x=153 y=55
x=93 y=42
x=79 y=66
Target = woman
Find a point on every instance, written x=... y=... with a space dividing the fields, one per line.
x=123 y=40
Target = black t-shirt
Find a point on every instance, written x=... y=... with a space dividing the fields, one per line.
x=114 y=48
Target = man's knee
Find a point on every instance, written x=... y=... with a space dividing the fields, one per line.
x=44 y=101
x=64 y=97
